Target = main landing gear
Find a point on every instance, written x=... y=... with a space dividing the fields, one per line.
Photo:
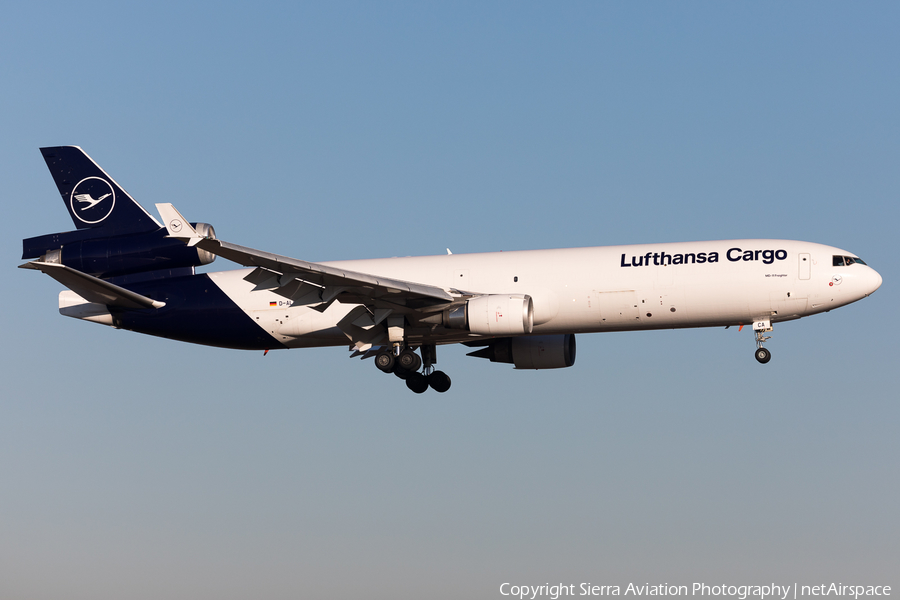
x=406 y=364
x=760 y=328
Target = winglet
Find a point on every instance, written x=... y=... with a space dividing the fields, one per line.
x=177 y=226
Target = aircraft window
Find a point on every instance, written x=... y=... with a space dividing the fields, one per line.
x=841 y=261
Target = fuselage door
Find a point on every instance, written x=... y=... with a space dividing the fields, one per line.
x=804 y=266
x=618 y=308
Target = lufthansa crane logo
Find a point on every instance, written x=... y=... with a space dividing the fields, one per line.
x=92 y=200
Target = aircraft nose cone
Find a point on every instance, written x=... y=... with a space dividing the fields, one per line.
x=873 y=281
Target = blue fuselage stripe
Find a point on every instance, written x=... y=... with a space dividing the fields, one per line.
x=196 y=311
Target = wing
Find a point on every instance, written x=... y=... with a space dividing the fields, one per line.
x=334 y=284
x=317 y=285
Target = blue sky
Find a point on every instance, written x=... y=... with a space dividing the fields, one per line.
x=137 y=467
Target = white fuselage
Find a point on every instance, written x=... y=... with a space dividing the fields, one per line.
x=612 y=288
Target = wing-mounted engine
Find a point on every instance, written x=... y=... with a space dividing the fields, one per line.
x=105 y=257
x=492 y=314
x=533 y=352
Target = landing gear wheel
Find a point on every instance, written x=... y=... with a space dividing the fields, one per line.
x=763 y=356
x=439 y=381
x=417 y=382
x=409 y=360
x=402 y=373
x=385 y=361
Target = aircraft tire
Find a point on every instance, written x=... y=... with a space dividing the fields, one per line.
x=385 y=361
x=402 y=373
x=763 y=356
x=409 y=360
x=439 y=381
x=417 y=382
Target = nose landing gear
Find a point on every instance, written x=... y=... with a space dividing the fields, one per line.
x=406 y=365
x=761 y=327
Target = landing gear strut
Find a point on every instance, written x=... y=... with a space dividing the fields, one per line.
x=760 y=328
x=406 y=365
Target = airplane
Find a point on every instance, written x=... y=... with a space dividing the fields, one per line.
x=126 y=269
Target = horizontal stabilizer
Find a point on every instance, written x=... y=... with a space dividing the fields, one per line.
x=93 y=289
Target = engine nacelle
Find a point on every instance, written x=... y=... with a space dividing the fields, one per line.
x=533 y=352
x=122 y=255
x=494 y=314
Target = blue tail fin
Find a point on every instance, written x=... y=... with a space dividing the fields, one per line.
x=93 y=198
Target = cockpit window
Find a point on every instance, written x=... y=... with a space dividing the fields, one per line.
x=846 y=261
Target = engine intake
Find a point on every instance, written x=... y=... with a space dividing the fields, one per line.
x=494 y=314
x=533 y=352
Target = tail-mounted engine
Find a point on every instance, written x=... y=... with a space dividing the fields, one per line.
x=534 y=352
x=106 y=257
